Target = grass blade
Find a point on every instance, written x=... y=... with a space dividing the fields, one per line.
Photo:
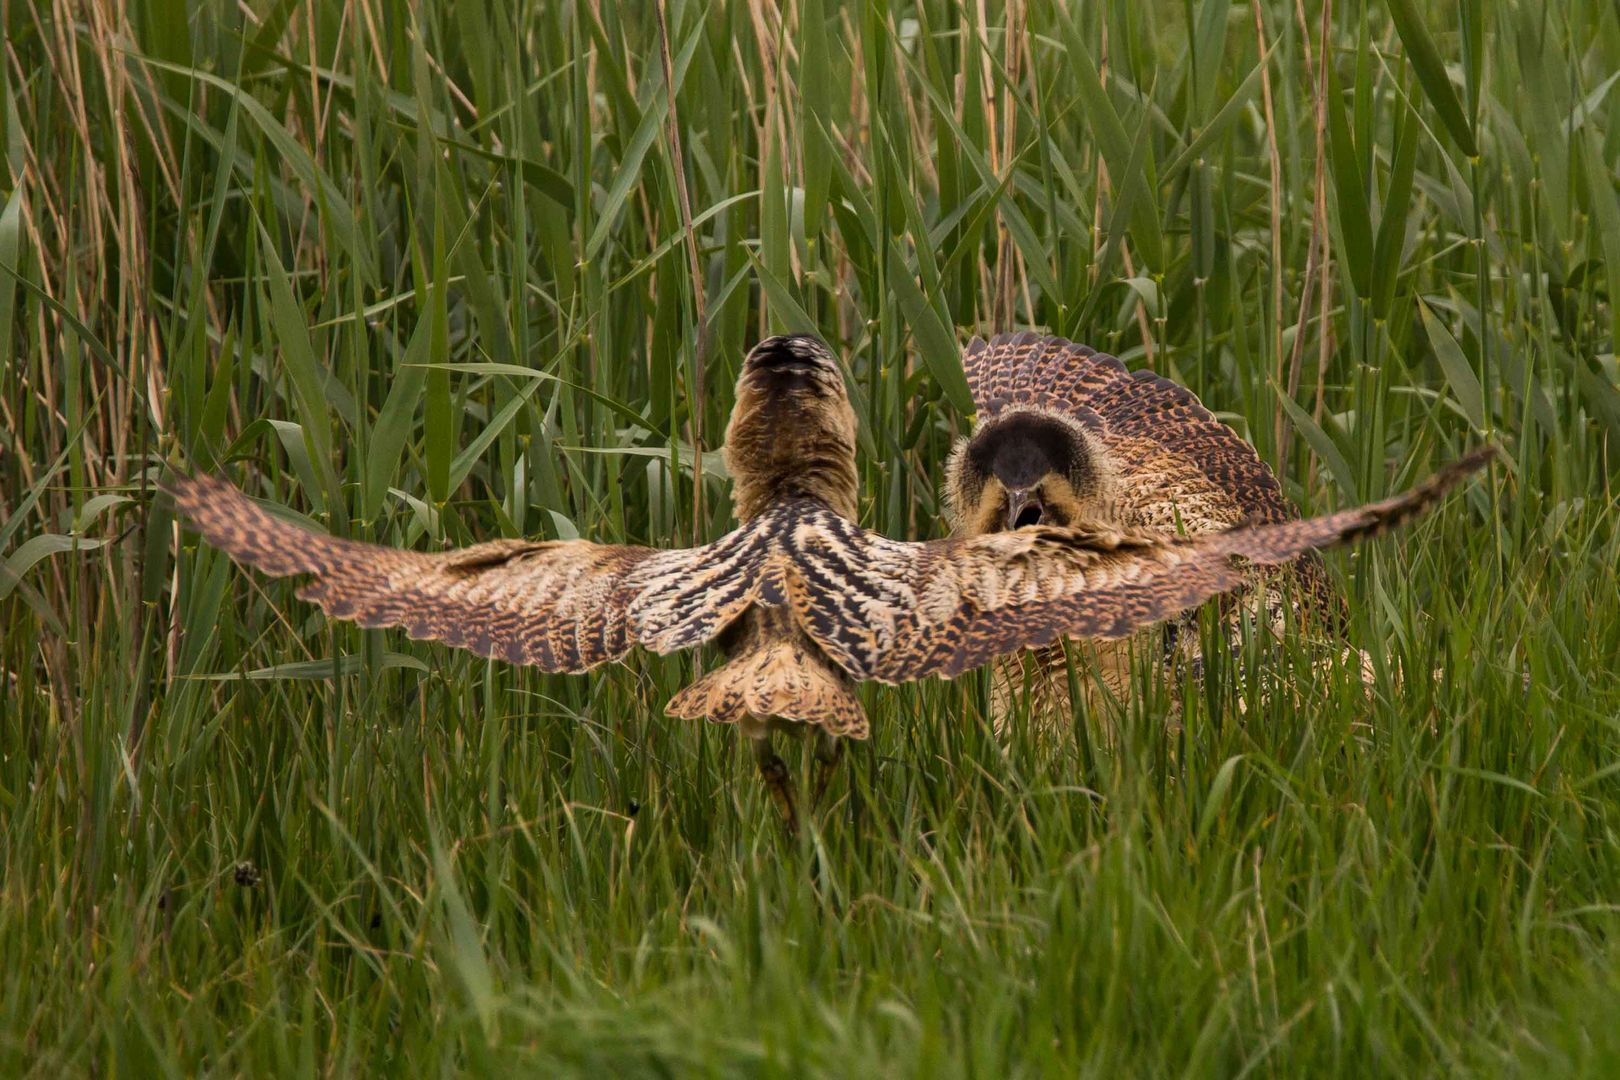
x=1431 y=72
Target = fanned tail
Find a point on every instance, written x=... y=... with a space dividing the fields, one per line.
x=779 y=679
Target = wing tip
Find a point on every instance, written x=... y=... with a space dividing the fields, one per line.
x=192 y=489
x=1471 y=462
x=1423 y=495
x=1357 y=523
x=227 y=519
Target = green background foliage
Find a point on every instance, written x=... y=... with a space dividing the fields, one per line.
x=423 y=273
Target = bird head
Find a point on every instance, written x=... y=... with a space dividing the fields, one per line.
x=1022 y=468
x=793 y=363
x=792 y=430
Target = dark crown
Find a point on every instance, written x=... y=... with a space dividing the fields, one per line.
x=790 y=352
x=1025 y=447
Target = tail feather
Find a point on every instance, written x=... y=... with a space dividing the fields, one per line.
x=777 y=679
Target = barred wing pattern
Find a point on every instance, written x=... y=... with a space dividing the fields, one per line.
x=880 y=609
x=1028 y=369
x=894 y=611
x=559 y=606
x=1150 y=424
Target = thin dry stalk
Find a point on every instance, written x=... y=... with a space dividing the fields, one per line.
x=1012 y=34
x=1324 y=335
x=1318 y=251
x=1275 y=201
x=374 y=39
x=694 y=266
x=1143 y=324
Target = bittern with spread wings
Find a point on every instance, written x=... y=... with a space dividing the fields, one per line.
x=803 y=602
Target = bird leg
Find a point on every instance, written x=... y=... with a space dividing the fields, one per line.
x=829 y=755
x=774 y=771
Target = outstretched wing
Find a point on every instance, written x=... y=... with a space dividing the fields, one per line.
x=1202 y=473
x=559 y=606
x=895 y=611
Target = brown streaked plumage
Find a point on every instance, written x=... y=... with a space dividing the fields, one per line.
x=803 y=602
x=1066 y=434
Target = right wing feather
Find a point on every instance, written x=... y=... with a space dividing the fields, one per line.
x=895 y=611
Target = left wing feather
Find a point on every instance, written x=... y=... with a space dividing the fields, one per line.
x=558 y=605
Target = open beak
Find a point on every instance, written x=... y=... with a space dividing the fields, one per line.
x=1020 y=504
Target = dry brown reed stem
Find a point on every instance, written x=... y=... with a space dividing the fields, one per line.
x=1318 y=251
x=1275 y=198
x=694 y=266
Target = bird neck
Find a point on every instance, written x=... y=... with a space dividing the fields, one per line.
x=792 y=450
x=826 y=477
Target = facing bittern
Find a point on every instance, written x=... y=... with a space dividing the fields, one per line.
x=1064 y=434
x=802 y=600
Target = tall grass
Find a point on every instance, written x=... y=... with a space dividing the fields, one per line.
x=423 y=272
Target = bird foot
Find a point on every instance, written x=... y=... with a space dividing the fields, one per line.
x=774 y=771
x=829 y=755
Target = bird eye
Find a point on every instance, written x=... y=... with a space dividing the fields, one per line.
x=1029 y=515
